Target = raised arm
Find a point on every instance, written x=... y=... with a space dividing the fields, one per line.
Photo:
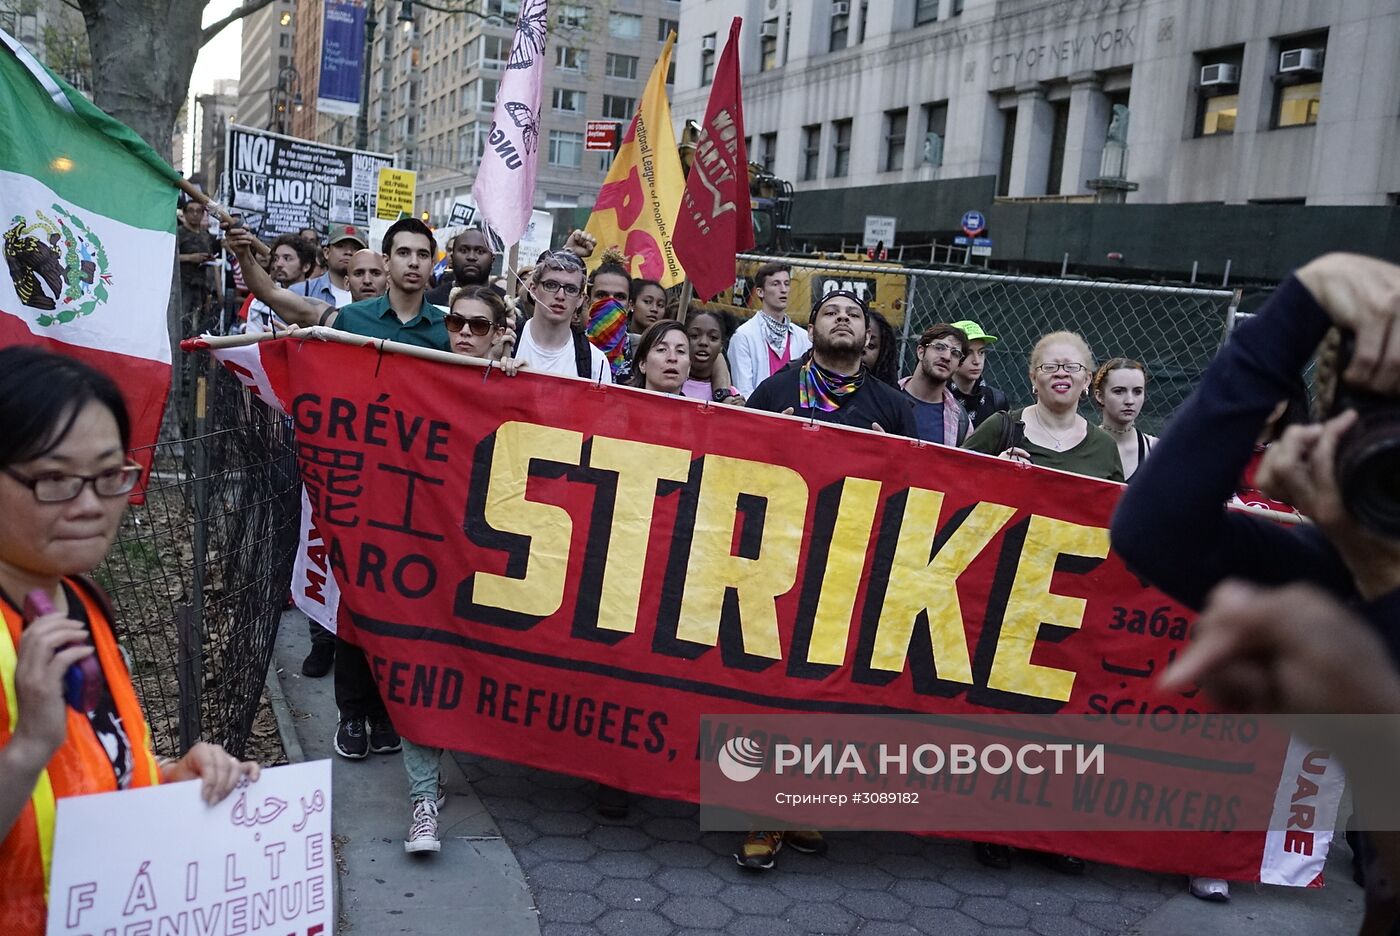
x=297 y=310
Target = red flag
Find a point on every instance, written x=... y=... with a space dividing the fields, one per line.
x=714 y=223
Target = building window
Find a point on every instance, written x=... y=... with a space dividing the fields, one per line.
x=284 y=40
x=573 y=15
x=570 y=59
x=770 y=150
x=621 y=66
x=896 y=126
x=956 y=8
x=1059 y=132
x=506 y=9
x=489 y=87
x=618 y=108
x=624 y=25
x=671 y=72
x=1298 y=82
x=864 y=15
x=1218 y=91
x=665 y=27
x=935 y=132
x=568 y=101
x=768 y=45
x=840 y=31
x=707 y=59
x=811 y=150
x=494 y=52
x=840 y=149
x=565 y=149
x=925 y=11
x=1008 y=149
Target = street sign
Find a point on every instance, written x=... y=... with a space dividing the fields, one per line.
x=878 y=229
x=973 y=223
x=601 y=136
x=981 y=246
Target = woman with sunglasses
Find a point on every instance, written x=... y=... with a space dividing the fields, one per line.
x=1050 y=432
x=476 y=323
x=64 y=481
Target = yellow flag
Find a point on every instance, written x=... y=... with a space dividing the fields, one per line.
x=638 y=203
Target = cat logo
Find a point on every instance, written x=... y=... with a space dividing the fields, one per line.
x=57 y=265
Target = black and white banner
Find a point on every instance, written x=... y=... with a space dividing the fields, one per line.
x=281 y=184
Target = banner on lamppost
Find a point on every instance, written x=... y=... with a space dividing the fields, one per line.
x=342 y=57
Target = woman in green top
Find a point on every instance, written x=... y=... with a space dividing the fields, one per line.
x=1054 y=434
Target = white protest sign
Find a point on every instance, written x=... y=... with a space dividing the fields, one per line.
x=158 y=860
x=536 y=238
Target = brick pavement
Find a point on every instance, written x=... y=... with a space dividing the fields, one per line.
x=656 y=874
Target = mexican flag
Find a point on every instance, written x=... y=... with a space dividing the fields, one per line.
x=87 y=227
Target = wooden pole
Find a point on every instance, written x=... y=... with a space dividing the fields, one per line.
x=683 y=307
x=224 y=217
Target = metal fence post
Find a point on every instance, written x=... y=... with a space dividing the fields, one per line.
x=190 y=672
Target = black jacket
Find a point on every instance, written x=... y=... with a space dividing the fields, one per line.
x=875 y=402
x=982 y=402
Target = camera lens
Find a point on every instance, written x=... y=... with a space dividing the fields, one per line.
x=1368 y=472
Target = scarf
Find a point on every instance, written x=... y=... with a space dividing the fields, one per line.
x=607 y=331
x=775 y=333
x=825 y=390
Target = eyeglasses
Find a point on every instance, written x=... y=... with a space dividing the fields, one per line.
x=1070 y=367
x=553 y=286
x=57 y=488
x=477 y=326
x=940 y=347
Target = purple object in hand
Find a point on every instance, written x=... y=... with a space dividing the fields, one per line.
x=83 y=680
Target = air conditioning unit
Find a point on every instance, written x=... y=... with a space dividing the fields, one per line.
x=1215 y=75
x=769 y=30
x=707 y=44
x=840 y=8
x=1300 y=60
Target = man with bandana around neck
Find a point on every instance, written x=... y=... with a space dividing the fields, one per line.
x=768 y=341
x=831 y=384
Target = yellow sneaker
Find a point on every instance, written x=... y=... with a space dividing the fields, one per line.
x=757 y=851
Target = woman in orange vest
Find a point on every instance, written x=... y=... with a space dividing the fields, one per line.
x=64 y=481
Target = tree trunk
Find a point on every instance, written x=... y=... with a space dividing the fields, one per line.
x=143 y=53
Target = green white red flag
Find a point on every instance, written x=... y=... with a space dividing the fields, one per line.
x=87 y=227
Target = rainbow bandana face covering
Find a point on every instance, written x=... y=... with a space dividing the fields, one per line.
x=607 y=331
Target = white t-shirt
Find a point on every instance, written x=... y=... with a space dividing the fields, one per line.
x=263 y=319
x=560 y=361
x=342 y=296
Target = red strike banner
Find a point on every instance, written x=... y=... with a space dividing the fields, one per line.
x=570 y=576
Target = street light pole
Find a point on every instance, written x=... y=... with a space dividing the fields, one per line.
x=362 y=127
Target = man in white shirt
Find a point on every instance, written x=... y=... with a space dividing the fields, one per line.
x=768 y=341
x=548 y=342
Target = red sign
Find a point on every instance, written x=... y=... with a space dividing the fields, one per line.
x=601 y=135
x=570 y=576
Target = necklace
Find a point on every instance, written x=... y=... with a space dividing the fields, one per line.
x=1118 y=432
x=1058 y=441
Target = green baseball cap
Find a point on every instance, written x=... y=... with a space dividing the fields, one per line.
x=342 y=232
x=974 y=332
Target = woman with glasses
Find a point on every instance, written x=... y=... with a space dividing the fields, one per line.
x=1050 y=432
x=1120 y=391
x=64 y=481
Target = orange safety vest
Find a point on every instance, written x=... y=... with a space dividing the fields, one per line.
x=80 y=766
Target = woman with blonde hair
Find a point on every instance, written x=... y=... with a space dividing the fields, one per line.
x=1120 y=391
x=1050 y=432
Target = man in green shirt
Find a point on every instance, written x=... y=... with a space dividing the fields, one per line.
x=403 y=313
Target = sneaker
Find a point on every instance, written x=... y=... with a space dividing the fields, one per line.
x=611 y=802
x=319 y=661
x=757 y=851
x=1213 y=889
x=383 y=739
x=350 y=739
x=423 y=830
x=806 y=841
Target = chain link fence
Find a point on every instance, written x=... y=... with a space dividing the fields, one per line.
x=199 y=572
x=1174 y=331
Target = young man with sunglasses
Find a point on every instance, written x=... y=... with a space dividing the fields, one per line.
x=938 y=415
x=548 y=341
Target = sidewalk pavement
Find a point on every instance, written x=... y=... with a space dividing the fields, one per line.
x=657 y=873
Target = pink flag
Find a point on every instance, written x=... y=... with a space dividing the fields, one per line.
x=505 y=183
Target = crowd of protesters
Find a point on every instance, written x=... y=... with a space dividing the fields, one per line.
x=1333 y=575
